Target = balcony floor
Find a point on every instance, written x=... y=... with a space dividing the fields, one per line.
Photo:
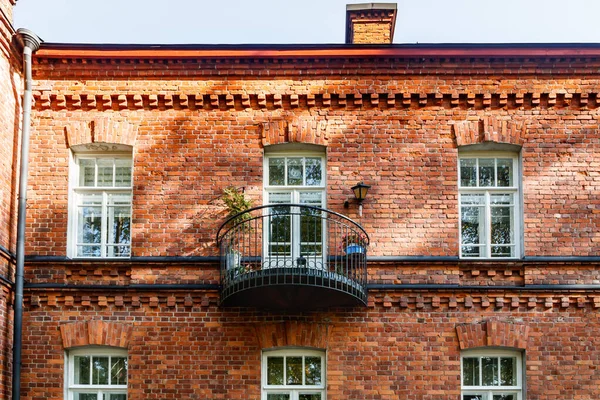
x=294 y=289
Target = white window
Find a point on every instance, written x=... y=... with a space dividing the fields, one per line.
x=294 y=233
x=491 y=375
x=100 y=214
x=97 y=373
x=293 y=375
x=489 y=206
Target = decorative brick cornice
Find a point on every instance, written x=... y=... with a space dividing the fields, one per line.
x=117 y=299
x=99 y=333
x=477 y=302
x=100 y=130
x=417 y=301
x=489 y=129
x=57 y=101
x=493 y=334
x=293 y=333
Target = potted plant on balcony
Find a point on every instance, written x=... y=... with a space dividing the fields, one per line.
x=235 y=203
x=354 y=243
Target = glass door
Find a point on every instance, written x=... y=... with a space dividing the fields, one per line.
x=294 y=235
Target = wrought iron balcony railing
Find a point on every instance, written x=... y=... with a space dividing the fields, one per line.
x=292 y=256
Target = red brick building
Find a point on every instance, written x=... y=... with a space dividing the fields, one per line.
x=481 y=224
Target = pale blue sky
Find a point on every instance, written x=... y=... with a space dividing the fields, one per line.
x=304 y=21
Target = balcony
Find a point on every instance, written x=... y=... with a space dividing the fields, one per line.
x=292 y=257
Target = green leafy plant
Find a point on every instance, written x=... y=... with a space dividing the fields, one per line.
x=235 y=200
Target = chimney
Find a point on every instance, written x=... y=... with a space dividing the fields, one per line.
x=370 y=23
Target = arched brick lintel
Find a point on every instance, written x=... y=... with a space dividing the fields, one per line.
x=493 y=333
x=100 y=130
x=299 y=130
x=293 y=333
x=489 y=129
x=98 y=333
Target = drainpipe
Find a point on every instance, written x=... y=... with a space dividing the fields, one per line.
x=30 y=44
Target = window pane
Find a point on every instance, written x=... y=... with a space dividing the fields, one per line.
x=471 y=225
x=280 y=197
x=105 y=172
x=278 y=397
x=280 y=225
x=85 y=396
x=276 y=171
x=504 y=171
x=501 y=225
x=88 y=251
x=489 y=369
x=471 y=371
x=293 y=370
x=486 y=172
x=468 y=172
x=503 y=251
x=472 y=251
x=82 y=370
x=505 y=397
x=119 y=220
x=508 y=371
x=100 y=371
x=295 y=171
x=472 y=397
x=472 y=199
x=89 y=225
x=87 y=169
x=501 y=199
x=313 y=172
x=118 y=371
x=122 y=172
x=275 y=371
x=311 y=226
x=116 y=396
x=315 y=396
x=312 y=367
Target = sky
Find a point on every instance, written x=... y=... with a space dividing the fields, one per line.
x=304 y=21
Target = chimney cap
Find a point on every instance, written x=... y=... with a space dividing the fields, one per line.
x=371 y=6
x=363 y=12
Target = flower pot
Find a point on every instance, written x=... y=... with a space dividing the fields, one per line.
x=353 y=248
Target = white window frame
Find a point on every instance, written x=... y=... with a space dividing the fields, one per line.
x=487 y=191
x=487 y=392
x=293 y=390
x=71 y=388
x=294 y=191
x=75 y=191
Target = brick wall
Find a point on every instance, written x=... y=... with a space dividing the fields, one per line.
x=199 y=126
x=394 y=349
x=394 y=131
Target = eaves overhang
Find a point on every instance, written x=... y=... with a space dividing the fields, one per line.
x=317 y=51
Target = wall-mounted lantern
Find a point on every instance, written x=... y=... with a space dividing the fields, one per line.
x=360 y=193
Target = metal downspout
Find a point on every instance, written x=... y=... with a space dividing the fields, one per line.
x=31 y=42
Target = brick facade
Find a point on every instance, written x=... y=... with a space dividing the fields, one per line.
x=199 y=120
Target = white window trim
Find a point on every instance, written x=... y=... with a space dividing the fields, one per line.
x=515 y=190
x=491 y=390
x=71 y=388
x=293 y=389
x=75 y=190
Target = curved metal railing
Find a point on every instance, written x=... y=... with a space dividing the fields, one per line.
x=292 y=244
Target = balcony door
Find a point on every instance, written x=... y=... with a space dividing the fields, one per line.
x=294 y=235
